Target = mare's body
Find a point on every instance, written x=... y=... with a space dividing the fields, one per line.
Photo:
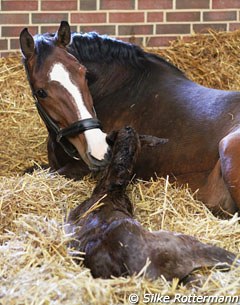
x=133 y=87
x=130 y=86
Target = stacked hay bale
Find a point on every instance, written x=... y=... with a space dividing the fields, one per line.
x=34 y=263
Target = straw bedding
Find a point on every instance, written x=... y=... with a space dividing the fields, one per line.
x=35 y=267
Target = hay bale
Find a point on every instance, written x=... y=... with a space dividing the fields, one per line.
x=23 y=135
x=210 y=60
x=35 y=266
x=34 y=262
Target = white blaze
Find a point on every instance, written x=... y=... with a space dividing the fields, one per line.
x=61 y=75
x=96 y=139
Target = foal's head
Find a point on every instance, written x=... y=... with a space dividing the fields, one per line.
x=58 y=82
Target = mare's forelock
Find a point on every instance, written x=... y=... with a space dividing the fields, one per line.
x=44 y=46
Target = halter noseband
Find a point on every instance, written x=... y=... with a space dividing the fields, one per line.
x=61 y=133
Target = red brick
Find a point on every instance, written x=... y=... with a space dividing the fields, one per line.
x=183 y=16
x=14 y=18
x=101 y=29
x=19 y=5
x=173 y=29
x=14 y=31
x=234 y=26
x=155 y=4
x=225 y=4
x=49 y=17
x=204 y=27
x=14 y=44
x=3 y=44
x=132 y=39
x=192 y=4
x=135 y=29
x=88 y=18
x=161 y=41
x=7 y=54
x=88 y=5
x=126 y=17
x=155 y=17
x=187 y=38
x=54 y=28
x=220 y=16
x=49 y=29
x=116 y=4
x=58 y=5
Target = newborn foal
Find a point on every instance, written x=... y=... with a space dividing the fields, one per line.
x=115 y=244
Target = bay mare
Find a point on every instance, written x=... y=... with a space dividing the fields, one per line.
x=132 y=87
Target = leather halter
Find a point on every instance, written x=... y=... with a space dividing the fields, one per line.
x=61 y=134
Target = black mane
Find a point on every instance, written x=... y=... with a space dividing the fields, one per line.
x=92 y=47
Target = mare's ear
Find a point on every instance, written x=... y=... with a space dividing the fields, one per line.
x=63 y=35
x=26 y=43
x=151 y=141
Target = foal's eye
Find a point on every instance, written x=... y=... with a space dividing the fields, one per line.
x=41 y=93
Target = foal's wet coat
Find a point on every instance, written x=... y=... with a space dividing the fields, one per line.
x=115 y=244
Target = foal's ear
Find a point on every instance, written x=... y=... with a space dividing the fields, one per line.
x=26 y=43
x=63 y=35
x=111 y=137
x=152 y=141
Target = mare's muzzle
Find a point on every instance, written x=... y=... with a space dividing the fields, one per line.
x=72 y=130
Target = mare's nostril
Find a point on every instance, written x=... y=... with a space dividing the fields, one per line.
x=96 y=164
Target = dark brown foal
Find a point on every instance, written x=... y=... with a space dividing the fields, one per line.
x=115 y=244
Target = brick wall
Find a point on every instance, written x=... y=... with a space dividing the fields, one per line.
x=147 y=22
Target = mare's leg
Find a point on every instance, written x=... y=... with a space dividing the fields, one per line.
x=215 y=194
x=75 y=170
x=60 y=162
x=229 y=151
x=222 y=190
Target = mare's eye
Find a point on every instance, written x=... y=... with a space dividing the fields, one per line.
x=41 y=93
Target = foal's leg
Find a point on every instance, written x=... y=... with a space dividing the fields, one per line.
x=229 y=151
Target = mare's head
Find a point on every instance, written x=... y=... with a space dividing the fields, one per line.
x=59 y=85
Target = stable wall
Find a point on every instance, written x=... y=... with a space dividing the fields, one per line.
x=150 y=23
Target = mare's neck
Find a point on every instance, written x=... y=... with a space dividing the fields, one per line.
x=106 y=79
